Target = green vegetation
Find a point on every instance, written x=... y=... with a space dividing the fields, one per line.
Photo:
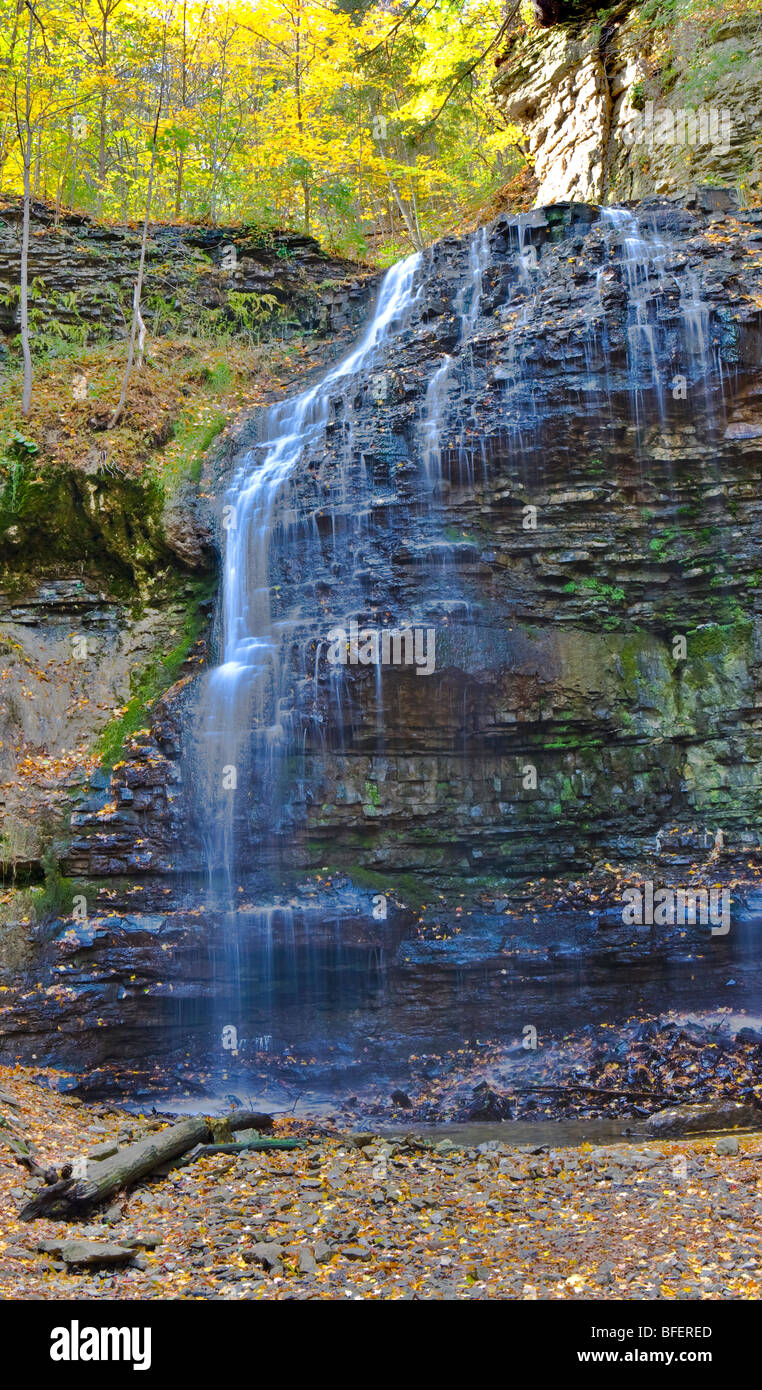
x=713 y=640
x=192 y=437
x=602 y=593
x=372 y=794
x=155 y=679
x=56 y=897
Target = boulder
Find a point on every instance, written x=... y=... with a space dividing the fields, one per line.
x=266 y=1252
x=487 y=1104
x=727 y=1146
x=705 y=1117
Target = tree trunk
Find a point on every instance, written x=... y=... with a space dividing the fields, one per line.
x=102 y=155
x=26 y=400
x=411 y=228
x=104 y=103
x=299 y=116
x=137 y=320
x=69 y=1196
x=61 y=183
x=179 y=185
x=217 y=131
x=307 y=212
x=37 y=167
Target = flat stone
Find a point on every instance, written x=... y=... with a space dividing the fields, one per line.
x=265 y=1252
x=87 y=1252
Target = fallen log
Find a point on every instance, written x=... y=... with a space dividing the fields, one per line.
x=591 y=1090
x=226 y=1125
x=70 y=1197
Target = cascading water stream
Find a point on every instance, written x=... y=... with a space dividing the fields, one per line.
x=241 y=712
x=272 y=700
x=245 y=716
x=439 y=387
x=643 y=260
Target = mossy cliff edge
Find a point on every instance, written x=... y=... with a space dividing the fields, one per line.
x=108 y=566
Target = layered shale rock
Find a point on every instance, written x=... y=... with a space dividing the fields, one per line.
x=587 y=559
x=554 y=466
x=599 y=441
x=83 y=274
x=107 y=575
x=612 y=107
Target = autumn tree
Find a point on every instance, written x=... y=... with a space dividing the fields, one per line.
x=137 y=327
x=367 y=124
x=37 y=79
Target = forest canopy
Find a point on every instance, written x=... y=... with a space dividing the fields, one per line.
x=370 y=125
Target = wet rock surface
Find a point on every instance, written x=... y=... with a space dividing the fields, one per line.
x=698 y=1119
x=607 y=393
x=600 y=395
x=554 y=640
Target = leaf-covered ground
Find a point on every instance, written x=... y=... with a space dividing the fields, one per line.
x=386 y=1219
x=178 y=402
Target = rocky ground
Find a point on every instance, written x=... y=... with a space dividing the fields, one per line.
x=359 y=1216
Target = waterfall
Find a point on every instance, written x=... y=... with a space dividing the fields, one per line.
x=646 y=265
x=516 y=381
x=643 y=261
x=242 y=709
x=438 y=389
x=262 y=704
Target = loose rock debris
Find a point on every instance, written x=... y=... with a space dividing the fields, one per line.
x=370 y=1217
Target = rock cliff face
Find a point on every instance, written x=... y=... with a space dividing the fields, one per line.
x=588 y=562
x=83 y=274
x=105 y=592
x=598 y=503
x=107 y=576
x=612 y=107
x=555 y=469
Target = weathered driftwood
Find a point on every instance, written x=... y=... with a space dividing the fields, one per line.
x=70 y=1196
x=19 y=1148
x=242 y=1119
x=592 y=1090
